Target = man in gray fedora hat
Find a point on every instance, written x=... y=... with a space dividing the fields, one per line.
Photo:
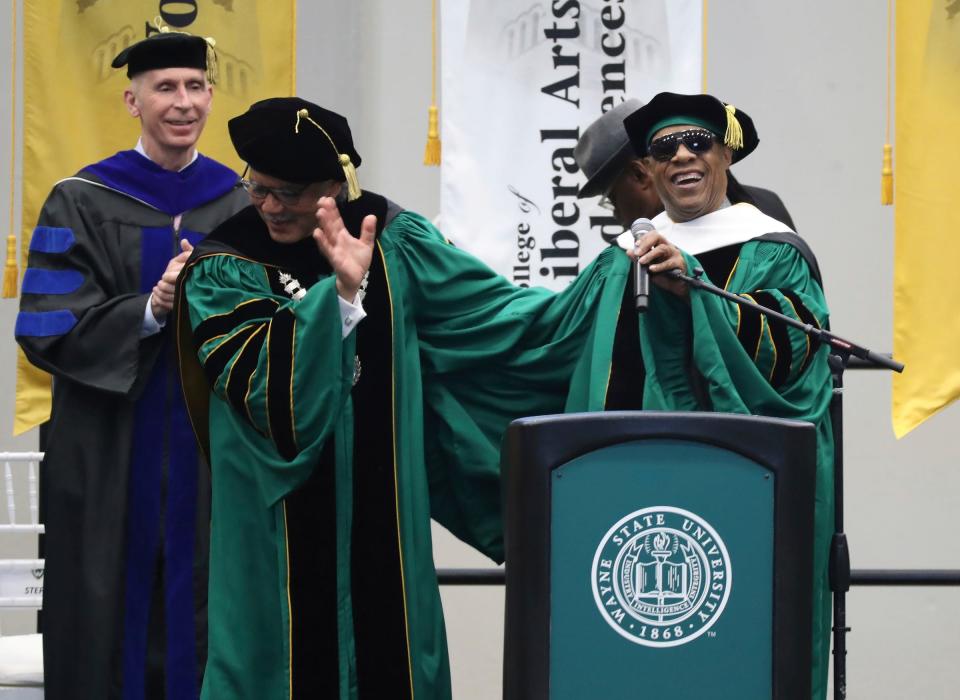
x=613 y=171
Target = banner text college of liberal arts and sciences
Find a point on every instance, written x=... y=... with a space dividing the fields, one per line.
x=521 y=81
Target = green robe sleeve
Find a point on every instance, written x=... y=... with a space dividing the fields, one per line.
x=280 y=364
x=750 y=364
x=492 y=352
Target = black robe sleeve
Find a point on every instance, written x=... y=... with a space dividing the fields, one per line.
x=81 y=310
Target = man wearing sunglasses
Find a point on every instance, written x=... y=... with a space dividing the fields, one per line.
x=347 y=388
x=124 y=607
x=625 y=184
x=740 y=362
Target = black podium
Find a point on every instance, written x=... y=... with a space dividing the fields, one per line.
x=662 y=555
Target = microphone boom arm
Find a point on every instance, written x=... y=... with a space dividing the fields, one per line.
x=839 y=346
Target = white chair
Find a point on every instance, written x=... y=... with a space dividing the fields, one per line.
x=21 y=582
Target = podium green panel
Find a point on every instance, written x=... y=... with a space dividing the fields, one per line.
x=658 y=555
x=649 y=562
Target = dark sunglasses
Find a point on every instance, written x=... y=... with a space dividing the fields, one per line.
x=695 y=140
x=283 y=195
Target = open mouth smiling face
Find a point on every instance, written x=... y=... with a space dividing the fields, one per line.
x=691 y=183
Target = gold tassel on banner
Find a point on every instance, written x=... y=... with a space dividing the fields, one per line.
x=886 y=174
x=10 y=272
x=431 y=154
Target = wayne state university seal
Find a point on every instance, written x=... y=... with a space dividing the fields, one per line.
x=661 y=576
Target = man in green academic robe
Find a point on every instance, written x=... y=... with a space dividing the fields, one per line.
x=346 y=389
x=742 y=362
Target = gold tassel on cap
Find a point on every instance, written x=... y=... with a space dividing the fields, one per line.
x=353 y=184
x=10 y=273
x=431 y=154
x=734 y=136
x=349 y=170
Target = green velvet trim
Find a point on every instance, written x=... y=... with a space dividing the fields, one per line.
x=683 y=119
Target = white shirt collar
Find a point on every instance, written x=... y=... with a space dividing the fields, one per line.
x=139 y=149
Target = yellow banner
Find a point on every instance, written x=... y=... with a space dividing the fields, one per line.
x=73 y=100
x=927 y=219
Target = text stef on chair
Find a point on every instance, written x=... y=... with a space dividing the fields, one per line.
x=21 y=580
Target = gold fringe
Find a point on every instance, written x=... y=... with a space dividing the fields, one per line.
x=886 y=176
x=886 y=173
x=10 y=272
x=431 y=154
x=213 y=66
x=353 y=184
x=734 y=136
x=349 y=170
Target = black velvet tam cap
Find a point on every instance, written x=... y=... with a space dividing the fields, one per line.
x=732 y=125
x=163 y=50
x=295 y=140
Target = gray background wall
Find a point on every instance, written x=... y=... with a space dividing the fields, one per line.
x=812 y=75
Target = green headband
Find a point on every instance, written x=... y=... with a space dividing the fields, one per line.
x=682 y=119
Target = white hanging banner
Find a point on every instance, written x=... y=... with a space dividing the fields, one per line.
x=521 y=79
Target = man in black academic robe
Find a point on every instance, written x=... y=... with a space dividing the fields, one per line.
x=125 y=497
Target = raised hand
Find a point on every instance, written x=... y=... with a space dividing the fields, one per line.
x=161 y=298
x=348 y=256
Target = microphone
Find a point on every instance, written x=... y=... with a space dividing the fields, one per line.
x=641 y=278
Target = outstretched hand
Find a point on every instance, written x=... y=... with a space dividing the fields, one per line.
x=348 y=256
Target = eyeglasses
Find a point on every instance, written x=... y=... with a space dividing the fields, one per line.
x=283 y=195
x=696 y=141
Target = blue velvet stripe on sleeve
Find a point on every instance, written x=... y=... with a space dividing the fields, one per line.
x=40 y=281
x=42 y=324
x=51 y=239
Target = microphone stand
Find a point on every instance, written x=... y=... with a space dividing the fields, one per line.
x=841 y=352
